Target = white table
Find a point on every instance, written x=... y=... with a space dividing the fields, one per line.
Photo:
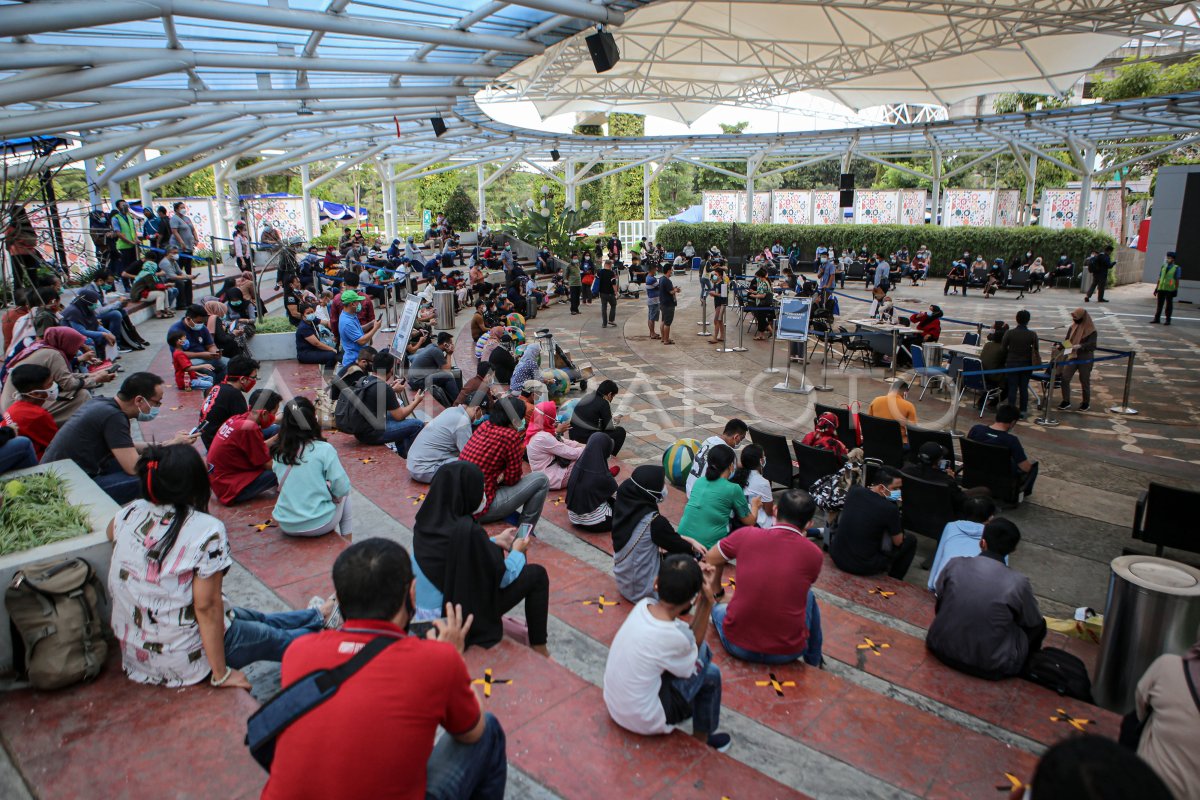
x=882 y=327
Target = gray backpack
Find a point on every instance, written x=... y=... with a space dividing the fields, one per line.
x=54 y=608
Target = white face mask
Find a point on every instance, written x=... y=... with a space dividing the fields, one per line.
x=51 y=393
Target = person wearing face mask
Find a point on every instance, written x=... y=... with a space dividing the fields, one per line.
x=350 y=330
x=58 y=350
x=1080 y=345
x=773 y=617
x=311 y=346
x=28 y=416
x=748 y=475
x=80 y=314
x=574 y=278
x=641 y=535
x=713 y=499
x=198 y=342
x=227 y=398
x=591 y=487
x=869 y=538
x=99 y=440
x=456 y=562
x=239 y=460
x=314 y=489
x=496 y=447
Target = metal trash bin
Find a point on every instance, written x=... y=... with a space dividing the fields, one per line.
x=443 y=306
x=1153 y=608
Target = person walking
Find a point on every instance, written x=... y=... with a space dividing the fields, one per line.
x=1166 y=288
x=608 y=294
x=1079 y=346
x=1098 y=266
x=574 y=275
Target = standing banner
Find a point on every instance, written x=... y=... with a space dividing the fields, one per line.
x=285 y=214
x=826 y=210
x=912 y=206
x=969 y=208
x=1060 y=208
x=1008 y=208
x=873 y=207
x=408 y=317
x=791 y=207
x=201 y=211
x=794 y=313
x=722 y=207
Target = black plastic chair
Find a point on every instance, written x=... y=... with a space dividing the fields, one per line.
x=779 y=458
x=845 y=430
x=883 y=440
x=813 y=463
x=1166 y=517
x=991 y=466
x=919 y=436
x=856 y=271
x=926 y=507
x=855 y=345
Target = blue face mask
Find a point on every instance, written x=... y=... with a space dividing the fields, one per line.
x=894 y=495
x=311 y=317
x=146 y=416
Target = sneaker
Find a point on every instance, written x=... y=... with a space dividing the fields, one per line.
x=334 y=620
x=1084 y=406
x=721 y=742
x=1064 y=405
x=1155 y=322
x=123 y=350
x=392 y=446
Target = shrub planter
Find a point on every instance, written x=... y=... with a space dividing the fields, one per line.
x=93 y=547
x=274 y=346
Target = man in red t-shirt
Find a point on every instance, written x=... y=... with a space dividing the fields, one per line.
x=239 y=458
x=34 y=388
x=773 y=617
x=374 y=737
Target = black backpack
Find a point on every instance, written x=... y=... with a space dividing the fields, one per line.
x=1059 y=670
x=352 y=402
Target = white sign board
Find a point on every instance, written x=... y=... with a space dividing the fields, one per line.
x=408 y=318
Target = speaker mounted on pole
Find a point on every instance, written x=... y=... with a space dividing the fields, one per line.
x=603 y=48
x=439 y=125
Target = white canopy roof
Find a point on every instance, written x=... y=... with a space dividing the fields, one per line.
x=680 y=58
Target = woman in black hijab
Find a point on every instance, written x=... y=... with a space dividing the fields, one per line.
x=502 y=360
x=457 y=560
x=639 y=532
x=592 y=486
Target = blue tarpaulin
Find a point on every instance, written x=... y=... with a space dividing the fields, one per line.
x=338 y=211
x=690 y=214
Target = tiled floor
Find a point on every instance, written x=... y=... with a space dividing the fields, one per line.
x=899 y=719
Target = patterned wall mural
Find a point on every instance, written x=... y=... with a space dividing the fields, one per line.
x=791 y=207
x=722 y=206
x=1008 y=208
x=876 y=207
x=912 y=206
x=969 y=208
x=825 y=208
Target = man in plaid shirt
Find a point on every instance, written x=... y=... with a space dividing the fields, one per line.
x=495 y=447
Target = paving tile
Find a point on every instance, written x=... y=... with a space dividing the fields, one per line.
x=538 y=684
x=283 y=560
x=717 y=776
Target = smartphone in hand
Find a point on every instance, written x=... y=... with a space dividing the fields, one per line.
x=199 y=428
x=524 y=530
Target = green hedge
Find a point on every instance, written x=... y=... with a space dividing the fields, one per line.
x=944 y=243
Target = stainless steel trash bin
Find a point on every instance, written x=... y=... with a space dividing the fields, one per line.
x=1153 y=608
x=443 y=305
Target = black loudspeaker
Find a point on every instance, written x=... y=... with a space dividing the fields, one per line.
x=604 y=52
x=554 y=155
x=439 y=125
x=846 y=198
x=846 y=182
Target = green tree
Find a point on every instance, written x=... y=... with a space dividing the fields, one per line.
x=625 y=188
x=1011 y=102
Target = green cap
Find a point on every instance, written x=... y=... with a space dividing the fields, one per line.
x=351 y=296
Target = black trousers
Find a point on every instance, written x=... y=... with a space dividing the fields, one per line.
x=185 y=294
x=575 y=292
x=895 y=563
x=532 y=586
x=1099 y=282
x=581 y=435
x=1165 y=300
x=1035 y=634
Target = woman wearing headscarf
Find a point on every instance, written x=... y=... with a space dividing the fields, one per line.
x=824 y=435
x=146 y=287
x=331 y=258
x=641 y=535
x=1168 y=704
x=591 y=487
x=1080 y=345
x=502 y=361
x=528 y=368
x=454 y=561
x=246 y=283
x=218 y=326
x=547 y=452
x=56 y=351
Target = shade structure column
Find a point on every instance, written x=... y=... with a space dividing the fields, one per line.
x=749 y=196
x=570 y=185
x=1085 y=187
x=306 y=211
x=93 y=182
x=480 y=193
x=143 y=189
x=935 y=199
x=647 y=176
x=1030 y=189
x=222 y=221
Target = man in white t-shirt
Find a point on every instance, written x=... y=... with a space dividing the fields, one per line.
x=659 y=671
x=735 y=431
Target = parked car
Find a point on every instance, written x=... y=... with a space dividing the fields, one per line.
x=595 y=229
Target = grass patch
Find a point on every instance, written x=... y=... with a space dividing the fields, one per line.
x=35 y=512
x=273 y=325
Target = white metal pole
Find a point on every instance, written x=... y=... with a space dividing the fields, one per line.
x=219 y=170
x=93 y=183
x=1030 y=188
x=1085 y=189
x=480 y=193
x=306 y=204
x=646 y=200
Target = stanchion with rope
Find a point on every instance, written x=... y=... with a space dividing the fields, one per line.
x=824 y=385
x=1045 y=420
x=1125 y=408
x=771 y=368
x=703 y=323
x=741 y=333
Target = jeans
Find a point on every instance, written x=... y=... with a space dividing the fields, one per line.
x=264 y=482
x=111 y=320
x=219 y=366
x=1018 y=386
x=255 y=636
x=17 y=453
x=401 y=432
x=703 y=691
x=117 y=484
x=811 y=653
x=528 y=496
x=478 y=771
x=608 y=309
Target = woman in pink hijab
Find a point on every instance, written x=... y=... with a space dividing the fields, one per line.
x=548 y=453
